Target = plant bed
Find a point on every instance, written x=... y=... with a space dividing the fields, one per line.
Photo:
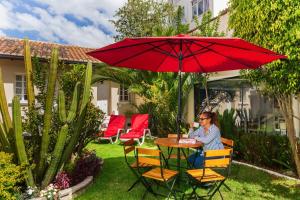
x=75 y=190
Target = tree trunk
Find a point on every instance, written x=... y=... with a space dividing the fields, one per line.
x=206 y=92
x=285 y=103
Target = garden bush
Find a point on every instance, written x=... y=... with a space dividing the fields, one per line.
x=10 y=176
x=267 y=150
x=88 y=164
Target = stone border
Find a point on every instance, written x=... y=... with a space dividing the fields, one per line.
x=267 y=171
x=71 y=192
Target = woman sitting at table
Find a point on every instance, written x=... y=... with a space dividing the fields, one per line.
x=208 y=134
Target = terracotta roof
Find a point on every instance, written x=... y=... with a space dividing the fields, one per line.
x=13 y=48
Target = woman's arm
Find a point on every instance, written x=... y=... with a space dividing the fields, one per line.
x=214 y=132
x=195 y=134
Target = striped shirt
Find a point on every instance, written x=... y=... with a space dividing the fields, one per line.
x=211 y=139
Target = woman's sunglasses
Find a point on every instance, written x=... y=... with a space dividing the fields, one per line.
x=201 y=119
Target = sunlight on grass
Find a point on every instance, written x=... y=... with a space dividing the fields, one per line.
x=245 y=182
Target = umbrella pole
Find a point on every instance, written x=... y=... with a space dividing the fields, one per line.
x=179 y=105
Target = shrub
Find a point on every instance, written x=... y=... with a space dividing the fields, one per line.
x=10 y=176
x=272 y=151
x=62 y=180
x=88 y=164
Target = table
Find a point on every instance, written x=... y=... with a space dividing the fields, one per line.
x=173 y=142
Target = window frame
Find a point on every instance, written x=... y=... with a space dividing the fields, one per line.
x=23 y=87
x=122 y=94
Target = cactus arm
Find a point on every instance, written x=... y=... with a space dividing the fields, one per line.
x=20 y=147
x=28 y=69
x=62 y=106
x=79 y=123
x=48 y=112
x=4 y=143
x=4 y=108
x=74 y=104
x=56 y=156
x=87 y=87
x=7 y=129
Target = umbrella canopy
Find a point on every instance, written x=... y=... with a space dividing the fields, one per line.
x=196 y=54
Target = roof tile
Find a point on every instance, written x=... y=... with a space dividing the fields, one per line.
x=13 y=47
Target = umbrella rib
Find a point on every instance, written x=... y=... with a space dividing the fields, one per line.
x=163 y=60
x=126 y=46
x=132 y=56
x=201 y=67
x=202 y=50
x=186 y=44
x=170 y=43
x=157 y=48
x=241 y=63
x=237 y=47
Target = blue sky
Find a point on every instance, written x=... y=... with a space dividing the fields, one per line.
x=79 y=22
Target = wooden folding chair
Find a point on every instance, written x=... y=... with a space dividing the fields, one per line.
x=228 y=144
x=158 y=174
x=213 y=159
x=129 y=147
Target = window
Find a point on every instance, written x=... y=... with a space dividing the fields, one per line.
x=124 y=96
x=199 y=7
x=20 y=89
x=195 y=8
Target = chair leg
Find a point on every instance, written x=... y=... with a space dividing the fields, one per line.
x=136 y=182
x=171 y=189
x=227 y=187
x=148 y=187
x=216 y=189
x=143 y=140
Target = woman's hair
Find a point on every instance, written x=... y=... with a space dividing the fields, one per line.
x=213 y=117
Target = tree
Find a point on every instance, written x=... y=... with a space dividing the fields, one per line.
x=274 y=25
x=139 y=18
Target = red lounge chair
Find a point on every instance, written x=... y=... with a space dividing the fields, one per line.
x=139 y=129
x=115 y=127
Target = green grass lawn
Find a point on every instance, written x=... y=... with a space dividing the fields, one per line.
x=245 y=182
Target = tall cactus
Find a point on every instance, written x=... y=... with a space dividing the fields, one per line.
x=62 y=136
x=20 y=147
x=6 y=131
x=48 y=112
x=56 y=155
x=28 y=69
x=79 y=123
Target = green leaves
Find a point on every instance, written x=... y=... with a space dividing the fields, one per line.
x=274 y=25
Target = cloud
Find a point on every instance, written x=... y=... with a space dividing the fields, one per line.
x=2 y=33
x=49 y=19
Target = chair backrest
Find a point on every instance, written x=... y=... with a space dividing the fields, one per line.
x=139 y=122
x=116 y=122
x=174 y=135
x=217 y=158
x=128 y=147
x=228 y=143
x=149 y=156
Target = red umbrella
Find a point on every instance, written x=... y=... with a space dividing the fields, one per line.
x=184 y=53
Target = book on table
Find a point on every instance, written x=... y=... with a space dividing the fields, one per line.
x=187 y=141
